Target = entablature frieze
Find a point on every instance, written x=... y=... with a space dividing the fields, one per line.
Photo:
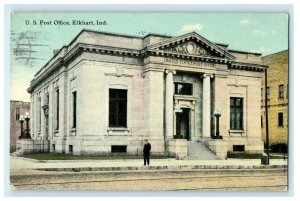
x=159 y=66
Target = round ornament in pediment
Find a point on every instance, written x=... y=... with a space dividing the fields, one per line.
x=191 y=47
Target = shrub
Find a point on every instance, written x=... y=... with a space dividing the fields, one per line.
x=279 y=148
x=12 y=149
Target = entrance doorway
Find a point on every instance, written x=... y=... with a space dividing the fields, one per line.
x=183 y=123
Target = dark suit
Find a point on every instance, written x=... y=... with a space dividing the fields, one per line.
x=146 y=152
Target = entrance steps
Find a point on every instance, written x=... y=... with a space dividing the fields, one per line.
x=198 y=151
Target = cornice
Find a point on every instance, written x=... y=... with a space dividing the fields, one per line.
x=135 y=53
x=248 y=66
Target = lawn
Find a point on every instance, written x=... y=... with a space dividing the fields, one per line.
x=255 y=156
x=57 y=156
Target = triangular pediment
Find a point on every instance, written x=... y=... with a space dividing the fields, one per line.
x=191 y=44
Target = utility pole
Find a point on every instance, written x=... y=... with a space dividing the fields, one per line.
x=266 y=109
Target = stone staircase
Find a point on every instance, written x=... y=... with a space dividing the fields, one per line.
x=198 y=151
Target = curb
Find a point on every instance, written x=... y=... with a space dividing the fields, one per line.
x=86 y=161
x=90 y=161
x=173 y=168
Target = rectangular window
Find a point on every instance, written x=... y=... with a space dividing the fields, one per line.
x=261 y=121
x=262 y=93
x=184 y=88
x=17 y=114
x=57 y=109
x=118 y=149
x=47 y=99
x=74 y=94
x=287 y=91
x=117 y=108
x=280 y=119
x=40 y=115
x=70 y=148
x=268 y=93
x=238 y=148
x=281 y=91
x=236 y=113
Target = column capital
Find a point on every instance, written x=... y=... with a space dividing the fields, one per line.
x=207 y=75
x=170 y=71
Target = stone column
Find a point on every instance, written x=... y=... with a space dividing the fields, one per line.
x=206 y=106
x=169 y=103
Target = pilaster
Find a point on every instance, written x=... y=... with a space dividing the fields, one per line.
x=154 y=105
x=169 y=103
x=221 y=102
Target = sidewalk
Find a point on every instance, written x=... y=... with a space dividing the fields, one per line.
x=19 y=163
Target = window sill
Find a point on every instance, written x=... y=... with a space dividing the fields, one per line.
x=236 y=132
x=56 y=132
x=117 y=131
x=73 y=131
x=185 y=97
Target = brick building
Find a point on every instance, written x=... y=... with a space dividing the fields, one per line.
x=277 y=97
x=17 y=108
x=106 y=93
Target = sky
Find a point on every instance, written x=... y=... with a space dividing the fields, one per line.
x=32 y=45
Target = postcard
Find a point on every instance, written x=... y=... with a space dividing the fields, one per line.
x=149 y=101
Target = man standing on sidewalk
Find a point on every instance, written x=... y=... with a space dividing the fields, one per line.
x=146 y=152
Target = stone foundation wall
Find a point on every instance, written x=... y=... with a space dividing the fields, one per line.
x=99 y=146
x=218 y=147
x=177 y=148
x=32 y=146
x=252 y=145
x=222 y=147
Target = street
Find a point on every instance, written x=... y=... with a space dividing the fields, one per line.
x=198 y=180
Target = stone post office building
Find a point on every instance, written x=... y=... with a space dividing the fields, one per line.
x=106 y=93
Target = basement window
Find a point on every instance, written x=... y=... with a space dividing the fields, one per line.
x=70 y=148
x=238 y=148
x=118 y=148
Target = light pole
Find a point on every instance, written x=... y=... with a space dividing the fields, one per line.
x=27 y=118
x=21 y=121
x=217 y=114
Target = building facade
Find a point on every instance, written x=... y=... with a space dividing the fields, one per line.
x=277 y=97
x=106 y=93
x=17 y=108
